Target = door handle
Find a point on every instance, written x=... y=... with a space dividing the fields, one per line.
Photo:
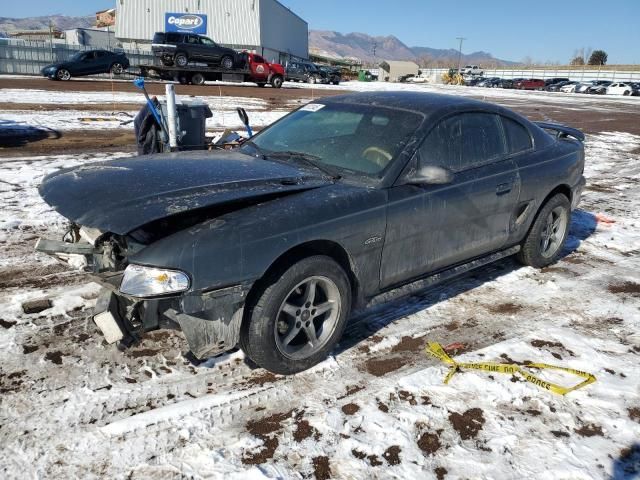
x=503 y=188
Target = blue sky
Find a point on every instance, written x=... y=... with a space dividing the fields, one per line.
x=507 y=29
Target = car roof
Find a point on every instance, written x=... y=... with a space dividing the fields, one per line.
x=423 y=102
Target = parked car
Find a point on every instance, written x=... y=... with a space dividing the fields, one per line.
x=90 y=62
x=333 y=74
x=305 y=72
x=529 y=84
x=554 y=80
x=582 y=87
x=180 y=49
x=473 y=81
x=570 y=87
x=489 y=82
x=599 y=87
x=505 y=83
x=623 y=89
x=273 y=245
x=474 y=70
x=555 y=87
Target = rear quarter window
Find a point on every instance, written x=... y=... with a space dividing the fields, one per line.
x=173 y=38
x=518 y=137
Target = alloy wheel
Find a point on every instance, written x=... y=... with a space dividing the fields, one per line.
x=308 y=317
x=63 y=74
x=553 y=232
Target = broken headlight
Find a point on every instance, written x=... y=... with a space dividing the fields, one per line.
x=139 y=281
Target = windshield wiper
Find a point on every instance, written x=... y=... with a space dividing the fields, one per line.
x=309 y=159
x=261 y=153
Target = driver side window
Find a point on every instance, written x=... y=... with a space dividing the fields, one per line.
x=443 y=145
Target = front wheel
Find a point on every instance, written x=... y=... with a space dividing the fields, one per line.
x=117 y=69
x=63 y=74
x=297 y=318
x=181 y=60
x=276 y=82
x=544 y=242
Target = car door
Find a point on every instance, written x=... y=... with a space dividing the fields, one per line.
x=102 y=62
x=431 y=227
x=259 y=68
x=86 y=64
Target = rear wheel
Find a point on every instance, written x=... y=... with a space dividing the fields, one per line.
x=226 y=63
x=312 y=79
x=181 y=60
x=298 y=317
x=197 y=79
x=544 y=242
x=63 y=74
x=276 y=82
x=626 y=93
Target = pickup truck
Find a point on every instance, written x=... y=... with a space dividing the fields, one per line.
x=248 y=67
x=474 y=70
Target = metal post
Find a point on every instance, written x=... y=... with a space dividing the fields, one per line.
x=462 y=39
x=172 y=116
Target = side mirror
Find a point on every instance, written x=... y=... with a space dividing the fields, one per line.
x=430 y=175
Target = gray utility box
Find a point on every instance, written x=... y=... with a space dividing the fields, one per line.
x=192 y=117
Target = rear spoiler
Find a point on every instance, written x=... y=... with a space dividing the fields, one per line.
x=561 y=131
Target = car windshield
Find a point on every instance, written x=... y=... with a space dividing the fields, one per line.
x=346 y=138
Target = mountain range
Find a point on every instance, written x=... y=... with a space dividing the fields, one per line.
x=322 y=42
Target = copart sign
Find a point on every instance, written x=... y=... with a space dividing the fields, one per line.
x=185 y=22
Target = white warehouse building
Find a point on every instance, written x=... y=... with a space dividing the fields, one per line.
x=264 y=26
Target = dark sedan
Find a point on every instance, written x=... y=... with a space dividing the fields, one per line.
x=273 y=245
x=90 y=62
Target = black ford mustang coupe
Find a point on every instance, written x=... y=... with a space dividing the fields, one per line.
x=271 y=246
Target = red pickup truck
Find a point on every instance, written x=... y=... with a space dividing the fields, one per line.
x=248 y=67
x=529 y=84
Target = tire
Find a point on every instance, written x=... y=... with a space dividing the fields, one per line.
x=278 y=341
x=117 y=69
x=197 y=79
x=181 y=60
x=167 y=61
x=336 y=83
x=539 y=249
x=276 y=82
x=63 y=74
x=226 y=62
x=626 y=93
x=312 y=80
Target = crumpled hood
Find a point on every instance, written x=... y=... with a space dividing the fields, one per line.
x=121 y=195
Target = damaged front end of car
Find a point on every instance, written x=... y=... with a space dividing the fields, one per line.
x=137 y=298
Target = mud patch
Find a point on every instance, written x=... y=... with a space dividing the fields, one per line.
x=508 y=308
x=547 y=344
x=7 y=324
x=467 y=424
x=321 y=468
x=407 y=397
x=351 y=390
x=260 y=380
x=265 y=429
x=350 y=409
x=590 y=430
x=631 y=288
x=54 y=357
x=440 y=472
x=429 y=443
x=559 y=433
x=634 y=414
x=409 y=344
x=381 y=366
x=392 y=455
x=304 y=430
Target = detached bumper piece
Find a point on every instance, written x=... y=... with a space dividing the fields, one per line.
x=211 y=321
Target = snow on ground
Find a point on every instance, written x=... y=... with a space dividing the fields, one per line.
x=72 y=406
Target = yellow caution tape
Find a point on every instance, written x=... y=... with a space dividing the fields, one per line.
x=436 y=350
